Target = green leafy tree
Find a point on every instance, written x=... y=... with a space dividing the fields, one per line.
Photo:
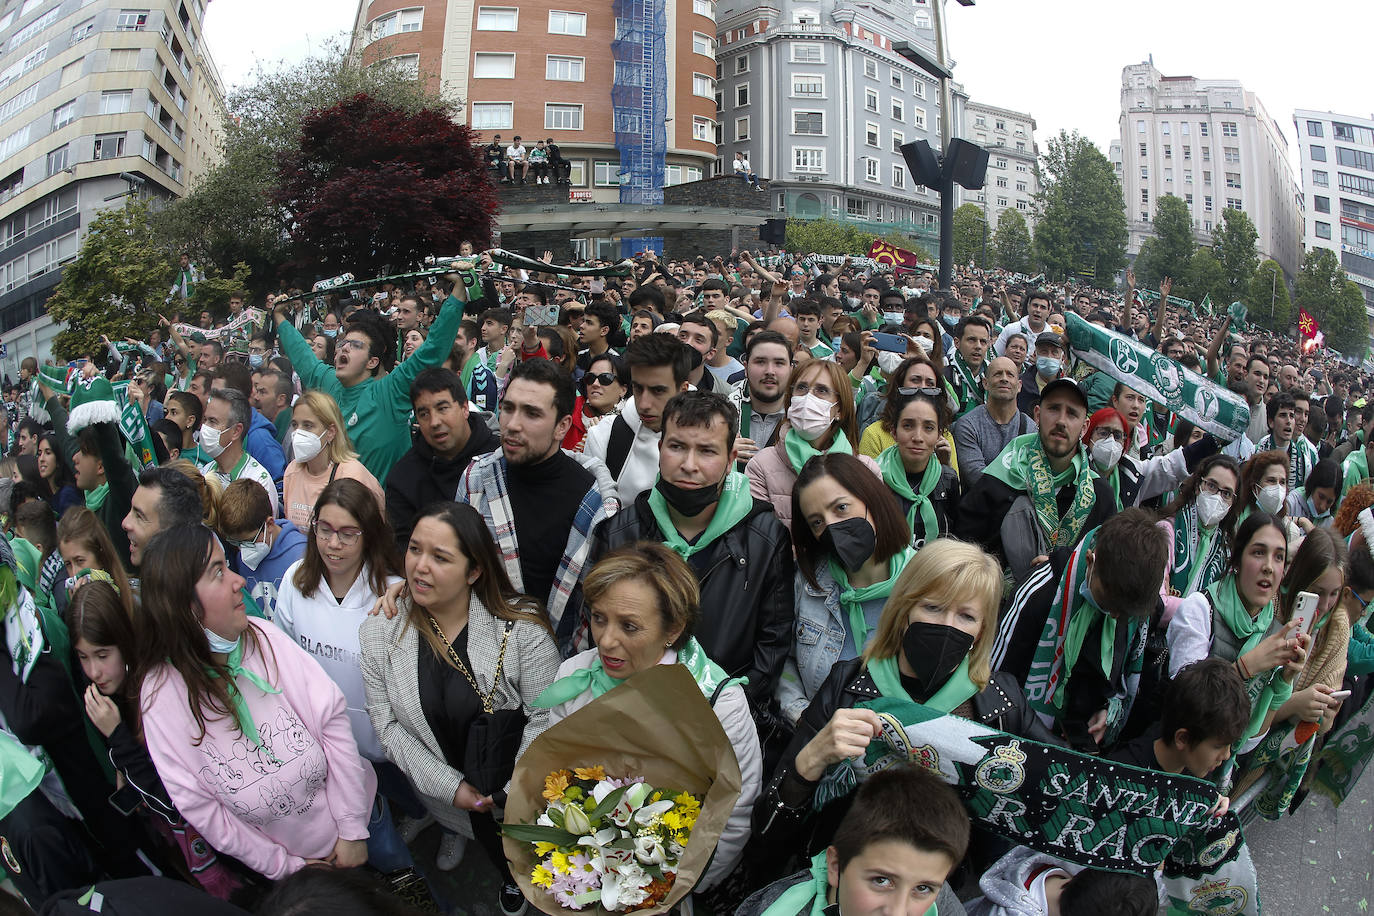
x=1349 y=331
x=1334 y=300
x=1011 y=243
x=1173 y=243
x=1266 y=287
x=116 y=285
x=970 y=235
x=1202 y=277
x=826 y=236
x=1234 y=245
x=228 y=217
x=1081 y=229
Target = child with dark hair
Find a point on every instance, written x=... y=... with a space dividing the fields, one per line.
x=1205 y=712
x=905 y=823
x=1029 y=883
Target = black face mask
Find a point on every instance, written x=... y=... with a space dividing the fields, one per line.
x=934 y=651
x=690 y=503
x=850 y=541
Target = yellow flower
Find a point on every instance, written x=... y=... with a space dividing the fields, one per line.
x=597 y=772
x=688 y=801
x=560 y=864
x=673 y=820
x=541 y=877
x=555 y=784
x=543 y=849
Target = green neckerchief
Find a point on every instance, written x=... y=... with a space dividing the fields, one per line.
x=1250 y=630
x=955 y=691
x=799 y=451
x=96 y=498
x=894 y=475
x=21 y=772
x=1199 y=557
x=707 y=674
x=852 y=599
x=1114 y=480
x=810 y=896
x=733 y=507
x=469 y=366
x=968 y=387
x=1023 y=466
x=233 y=666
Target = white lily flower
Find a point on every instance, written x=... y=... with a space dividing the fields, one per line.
x=649 y=850
x=601 y=790
x=576 y=821
x=656 y=809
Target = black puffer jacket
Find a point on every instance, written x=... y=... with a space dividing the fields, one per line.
x=789 y=828
x=746 y=577
x=421 y=478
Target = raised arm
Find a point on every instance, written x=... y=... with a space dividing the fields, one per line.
x=1214 y=351
x=1165 y=287
x=1129 y=301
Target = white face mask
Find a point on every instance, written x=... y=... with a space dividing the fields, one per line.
x=305 y=445
x=1270 y=498
x=894 y=317
x=218 y=643
x=210 y=441
x=926 y=344
x=1211 y=509
x=810 y=416
x=253 y=554
x=1105 y=454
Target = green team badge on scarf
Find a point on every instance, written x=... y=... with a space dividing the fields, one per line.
x=1194 y=397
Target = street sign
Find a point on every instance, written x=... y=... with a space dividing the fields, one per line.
x=579 y=197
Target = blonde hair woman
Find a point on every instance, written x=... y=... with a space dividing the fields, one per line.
x=932 y=646
x=320 y=453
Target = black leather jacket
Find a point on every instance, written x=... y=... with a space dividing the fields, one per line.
x=747 y=607
x=1001 y=705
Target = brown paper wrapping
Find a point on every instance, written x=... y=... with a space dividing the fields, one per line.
x=657 y=726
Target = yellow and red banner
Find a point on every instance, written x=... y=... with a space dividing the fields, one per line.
x=886 y=253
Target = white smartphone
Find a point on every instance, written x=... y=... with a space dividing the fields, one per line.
x=1304 y=610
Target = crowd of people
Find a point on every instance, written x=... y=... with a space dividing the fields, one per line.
x=373 y=528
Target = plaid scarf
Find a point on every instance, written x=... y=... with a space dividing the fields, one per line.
x=968 y=385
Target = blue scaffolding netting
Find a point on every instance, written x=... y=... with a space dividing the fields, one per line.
x=639 y=106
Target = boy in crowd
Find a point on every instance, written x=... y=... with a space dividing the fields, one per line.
x=266 y=547
x=1029 y=883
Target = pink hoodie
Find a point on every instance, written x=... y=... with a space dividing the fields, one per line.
x=276 y=806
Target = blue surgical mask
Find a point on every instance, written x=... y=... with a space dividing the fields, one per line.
x=255 y=360
x=1048 y=366
x=950 y=320
x=218 y=643
x=835 y=343
x=330 y=332
x=894 y=317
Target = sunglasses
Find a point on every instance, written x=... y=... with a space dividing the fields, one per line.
x=602 y=378
x=912 y=392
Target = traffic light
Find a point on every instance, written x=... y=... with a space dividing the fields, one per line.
x=773 y=231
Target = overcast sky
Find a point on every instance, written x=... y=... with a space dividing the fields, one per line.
x=1059 y=60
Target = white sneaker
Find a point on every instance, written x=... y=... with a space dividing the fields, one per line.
x=411 y=827
x=451 y=849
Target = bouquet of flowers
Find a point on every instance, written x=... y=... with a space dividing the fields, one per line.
x=617 y=842
x=619 y=806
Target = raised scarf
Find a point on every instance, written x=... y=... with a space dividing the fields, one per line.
x=799 y=451
x=1199 y=557
x=968 y=388
x=96 y=498
x=733 y=507
x=951 y=695
x=852 y=599
x=1023 y=466
x=594 y=677
x=233 y=666
x=894 y=474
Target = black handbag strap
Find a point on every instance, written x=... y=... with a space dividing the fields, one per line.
x=720 y=688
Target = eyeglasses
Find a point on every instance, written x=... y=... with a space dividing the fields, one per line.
x=350 y=344
x=602 y=378
x=326 y=533
x=248 y=542
x=1106 y=433
x=912 y=392
x=1210 y=486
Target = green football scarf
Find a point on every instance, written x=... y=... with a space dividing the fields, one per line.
x=894 y=475
x=707 y=674
x=968 y=387
x=799 y=451
x=1199 y=557
x=1023 y=466
x=951 y=695
x=733 y=507
x=853 y=599
x=96 y=498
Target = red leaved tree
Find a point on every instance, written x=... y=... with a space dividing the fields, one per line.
x=370 y=188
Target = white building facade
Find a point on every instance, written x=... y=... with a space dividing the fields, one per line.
x=1213 y=144
x=1013 y=177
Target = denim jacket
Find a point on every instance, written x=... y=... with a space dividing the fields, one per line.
x=817 y=641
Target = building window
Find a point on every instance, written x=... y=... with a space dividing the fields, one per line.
x=1187 y=153
x=1001 y=181
x=408 y=20
x=1144 y=150
x=116 y=102
x=20 y=102
x=1233 y=203
x=1144 y=173
x=1206 y=154
x=1164 y=128
x=897 y=141
x=999 y=124
x=741 y=95
x=491 y=66
x=808 y=85
x=898 y=110
x=703 y=85
x=1321 y=204
x=1232 y=179
x=1144 y=195
x=1232 y=154
x=1188 y=199
x=406 y=66
x=1314 y=129
x=871 y=133
x=1000 y=162
x=562 y=22
x=896 y=79
x=606 y=174
x=1228 y=129
x=497 y=18
x=83 y=30
x=1187 y=176
x=871 y=99
x=742 y=64
x=703 y=44
x=807 y=53
x=870 y=68
x=705 y=8
x=741 y=129
x=918 y=87
x=1001 y=201
x=701 y=129
x=1021 y=205
x=1169 y=175
x=856 y=207
x=1361 y=135
x=562 y=116
x=108 y=146
x=131 y=21
x=1321 y=179
x=808 y=159
x=1140 y=127
x=808 y=122
x=1202 y=129
x=898 y=176
x=1323 y=230
x=870 y=169
x=123 y=59
x=1168 y=151
x=918 y=116
x=493 y=115
x=1355 y=158
x=1021 y=186
x=1318 y=154
x=564 y=69
x=64 y=115
x=1207 y=202
x=1357 y=184
x=57 y=161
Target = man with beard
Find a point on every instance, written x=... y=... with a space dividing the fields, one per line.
x=761 y=401
x=1040 y=494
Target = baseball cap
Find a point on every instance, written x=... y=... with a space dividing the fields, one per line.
x=1061 y=383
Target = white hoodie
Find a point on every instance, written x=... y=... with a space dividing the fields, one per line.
x=641 y=465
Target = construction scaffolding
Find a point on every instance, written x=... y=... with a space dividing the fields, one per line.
x=639 y=106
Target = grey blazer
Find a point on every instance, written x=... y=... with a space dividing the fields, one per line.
x=389 y=665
